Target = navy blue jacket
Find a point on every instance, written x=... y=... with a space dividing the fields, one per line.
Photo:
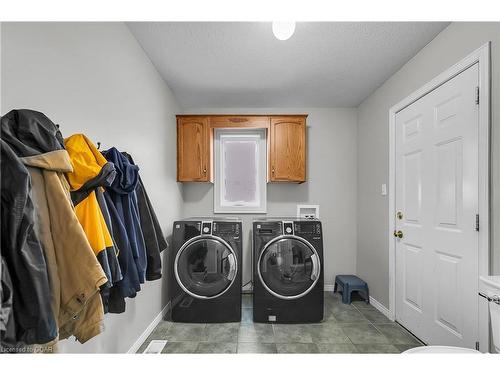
x=151 y=230
x=122 y=204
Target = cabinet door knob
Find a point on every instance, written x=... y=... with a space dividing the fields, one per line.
x=205 y=170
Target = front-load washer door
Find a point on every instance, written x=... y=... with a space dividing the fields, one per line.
x=205 y=267
x=289 y=267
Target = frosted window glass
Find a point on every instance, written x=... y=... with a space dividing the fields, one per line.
x=240 y=172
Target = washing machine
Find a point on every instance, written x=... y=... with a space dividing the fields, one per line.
x=205 y=281
x=288 y=271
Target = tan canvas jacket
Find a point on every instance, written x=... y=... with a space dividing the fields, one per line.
x=75 y=274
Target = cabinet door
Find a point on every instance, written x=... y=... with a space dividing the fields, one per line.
x=193 y=151
x=288 y=149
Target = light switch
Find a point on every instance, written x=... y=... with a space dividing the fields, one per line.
x=384 y=190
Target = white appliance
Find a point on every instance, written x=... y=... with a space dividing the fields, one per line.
x=490 y=291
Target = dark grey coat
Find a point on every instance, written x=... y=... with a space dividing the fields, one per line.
x=23 y=254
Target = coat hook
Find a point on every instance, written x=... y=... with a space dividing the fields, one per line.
x=98 y=145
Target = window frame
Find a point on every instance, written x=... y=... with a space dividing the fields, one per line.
x=261 y=170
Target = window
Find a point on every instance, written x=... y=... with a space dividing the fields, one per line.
x=240 y=171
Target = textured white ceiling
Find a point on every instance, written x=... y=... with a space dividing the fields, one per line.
x=327 y=64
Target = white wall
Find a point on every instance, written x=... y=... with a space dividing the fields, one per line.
x=95 y=79
x=331 y=183
x=449 y=47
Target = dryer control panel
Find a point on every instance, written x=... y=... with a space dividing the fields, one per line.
x=305 y=227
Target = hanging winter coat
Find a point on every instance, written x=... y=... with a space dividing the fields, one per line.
x=151 y=230
x=75 y=274
x=92 y=172
x=7 y=324
x=30 y=319
x=122 y=203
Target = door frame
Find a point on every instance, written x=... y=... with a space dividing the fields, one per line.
x=482 y=57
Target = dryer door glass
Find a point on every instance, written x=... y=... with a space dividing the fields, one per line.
x=289 y=267
x=206 y=267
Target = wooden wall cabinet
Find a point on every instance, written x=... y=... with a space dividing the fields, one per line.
x=287 y=156
x=286 y=141
x=193 y=150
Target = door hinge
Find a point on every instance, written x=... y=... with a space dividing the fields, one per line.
x=477 y=345
x=477 y=95
x=477 y=222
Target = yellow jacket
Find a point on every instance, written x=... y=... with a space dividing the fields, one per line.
x=87 y=163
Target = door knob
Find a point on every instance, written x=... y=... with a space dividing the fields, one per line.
x=398 y=234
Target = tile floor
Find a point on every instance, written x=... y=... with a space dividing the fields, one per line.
x=355 y=328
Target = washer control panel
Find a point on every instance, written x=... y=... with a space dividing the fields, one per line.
x=206 y=227
x=288 y=227
x=226 y=229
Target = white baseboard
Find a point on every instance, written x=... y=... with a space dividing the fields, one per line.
x=137 y=344
x=384 y=310
x=328 y=287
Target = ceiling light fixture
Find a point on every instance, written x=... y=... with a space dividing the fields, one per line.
x=283 y=30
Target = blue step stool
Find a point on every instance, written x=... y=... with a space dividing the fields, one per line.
x=349 y=284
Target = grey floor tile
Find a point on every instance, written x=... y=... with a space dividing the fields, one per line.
x=329 y=303
x=247 y=315
x=336 y=348
x=297 y=348
x=292 y=333
x=364 y=333
x=377 y=348
x=185 y=332
x=362 y=305
x=222 y=332
x=160 y=331
x=327 y=333
x=328 y=315
x=247 y=301
x=332 y=296
x=332 y=310
x=404 y=347
x=258 y=332
x=180 y=347
x=257 y=347
x=336 y=307
x=374 y=316
x=396 y=334
x=349 y=316
x=216 y=347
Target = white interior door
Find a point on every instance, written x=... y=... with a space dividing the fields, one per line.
x=437 y=196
